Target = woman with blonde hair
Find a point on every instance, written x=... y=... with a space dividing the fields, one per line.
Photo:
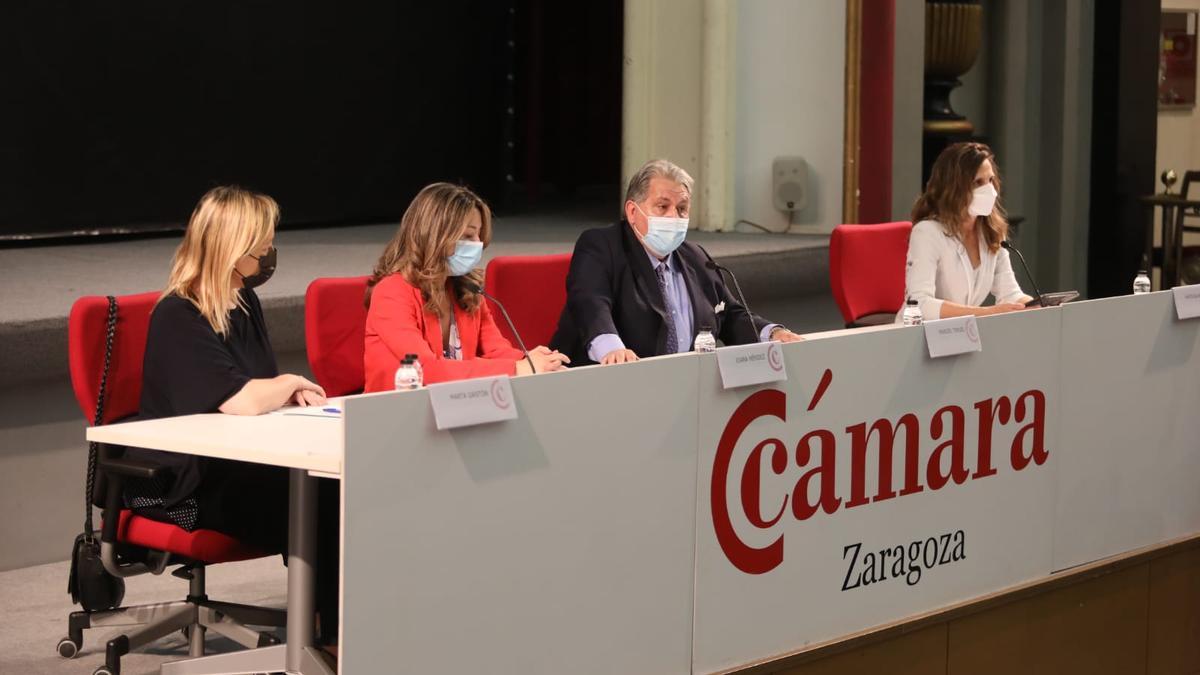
x=422 y=300
x=207 y=351
x=955 y=258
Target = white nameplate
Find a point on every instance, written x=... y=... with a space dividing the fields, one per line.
x=468 y=402
x=756 y=363
x=1187 y=301
x=947 y=337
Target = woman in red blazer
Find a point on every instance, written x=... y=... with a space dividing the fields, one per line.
x=419 y=299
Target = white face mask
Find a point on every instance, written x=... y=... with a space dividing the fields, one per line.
x=663 y=235
x=983 y=200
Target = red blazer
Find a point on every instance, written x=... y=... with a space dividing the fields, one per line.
x=397 y=324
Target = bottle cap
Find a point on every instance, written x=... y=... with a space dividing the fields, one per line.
x=912 y=302
x=407 y=360
x=705 y=327
x=1141 y=271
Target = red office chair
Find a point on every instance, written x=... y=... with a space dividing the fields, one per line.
x=866 y=270
x=130 y=544
x=534 y=290
x=335 y=321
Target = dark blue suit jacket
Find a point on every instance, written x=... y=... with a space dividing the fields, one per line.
x=611 y=288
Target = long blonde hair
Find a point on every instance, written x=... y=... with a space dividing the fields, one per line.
x=948 y=192
x=428 y=233
x=228 y=223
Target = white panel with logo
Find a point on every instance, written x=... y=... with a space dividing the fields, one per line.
x=805 y=534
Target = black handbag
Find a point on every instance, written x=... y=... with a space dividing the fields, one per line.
x=89 y=584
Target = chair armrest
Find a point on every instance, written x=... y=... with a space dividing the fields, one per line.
x=113 y=503
x=130 y=468
x=115 y=470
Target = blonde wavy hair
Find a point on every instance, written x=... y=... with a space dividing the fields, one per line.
x=429 y=231
x=228 y=223
x=948 y=193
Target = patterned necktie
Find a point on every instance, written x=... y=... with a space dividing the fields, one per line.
x=672 y=333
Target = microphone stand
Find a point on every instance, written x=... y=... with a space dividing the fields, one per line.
x=713 y=265
x=476 y=288
x=1010 y=247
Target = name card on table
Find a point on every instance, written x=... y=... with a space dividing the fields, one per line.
x=1187 y=301
x=947 y=337
x=469 y=402
x=745 y=365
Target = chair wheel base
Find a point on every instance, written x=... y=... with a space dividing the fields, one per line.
x=67 y=648
x=116 y=648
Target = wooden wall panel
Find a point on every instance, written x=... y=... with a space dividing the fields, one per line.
x=919 y=653
x=1132 y=615
x=1174 y=635
x=1097 y=626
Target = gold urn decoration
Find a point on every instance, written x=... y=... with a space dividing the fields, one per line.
x=953 y=35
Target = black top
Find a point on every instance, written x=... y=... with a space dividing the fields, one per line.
x=611 y=288
x=190 y=369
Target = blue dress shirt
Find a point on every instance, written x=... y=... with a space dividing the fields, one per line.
x=679 y=310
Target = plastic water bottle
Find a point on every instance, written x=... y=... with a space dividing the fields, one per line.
x=409 y=375
x=1141 y=283
x=705 y=342
x=419 y=368
x=912 y=313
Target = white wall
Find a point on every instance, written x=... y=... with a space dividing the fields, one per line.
x=661 y=91
x=790 y=65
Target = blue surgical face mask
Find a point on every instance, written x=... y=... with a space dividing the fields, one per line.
x=467 y=255
x=663 y=235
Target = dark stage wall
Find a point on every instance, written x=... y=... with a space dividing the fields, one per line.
x=117 y=116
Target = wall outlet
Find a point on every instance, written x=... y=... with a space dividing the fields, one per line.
x=789 y=179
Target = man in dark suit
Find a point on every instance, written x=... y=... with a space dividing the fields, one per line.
x=637 y=288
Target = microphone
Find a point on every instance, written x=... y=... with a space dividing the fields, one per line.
x=476 y=288
x=1029 y=274
x=713 y=265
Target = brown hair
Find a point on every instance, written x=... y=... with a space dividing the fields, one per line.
x=431 y=227
x=948 y=193
x=228 y=223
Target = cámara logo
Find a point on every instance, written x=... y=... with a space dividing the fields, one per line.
x=774 y=357
x=816 y=454
x=972 y=330
x=500 y=394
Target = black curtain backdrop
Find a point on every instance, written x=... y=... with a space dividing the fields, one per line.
x=1124 y=141
x=117 y=116
x=568 y=92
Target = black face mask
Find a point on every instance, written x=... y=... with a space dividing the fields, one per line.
x=266 y=267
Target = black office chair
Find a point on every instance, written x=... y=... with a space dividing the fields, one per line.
x=1189 y=270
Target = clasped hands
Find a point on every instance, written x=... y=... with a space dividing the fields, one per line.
x=545 y=360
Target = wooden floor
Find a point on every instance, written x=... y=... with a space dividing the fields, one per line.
x=1135 y=615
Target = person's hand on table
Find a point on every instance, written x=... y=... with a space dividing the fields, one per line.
x=545 y=360
x=784 y=335
x=619 y=356
x=308 y=393
x=1004 y=308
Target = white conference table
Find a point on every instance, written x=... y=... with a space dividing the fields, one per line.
x=308 y=446
x=593 y=515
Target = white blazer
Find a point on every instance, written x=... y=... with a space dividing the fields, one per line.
x=939 y=270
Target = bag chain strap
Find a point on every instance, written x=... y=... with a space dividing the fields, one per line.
x=94 y=447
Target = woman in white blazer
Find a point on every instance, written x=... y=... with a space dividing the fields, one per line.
x=954 y=256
